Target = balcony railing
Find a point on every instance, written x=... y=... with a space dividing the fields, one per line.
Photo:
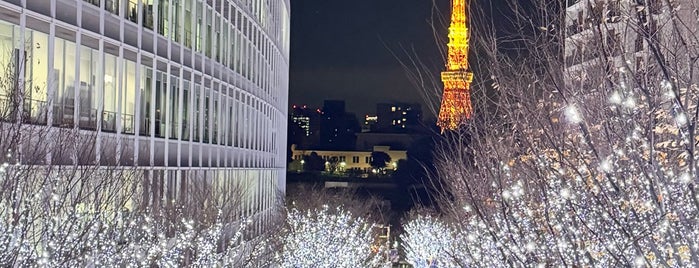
x=109 y=121
x=127 y=122
x=36 y=112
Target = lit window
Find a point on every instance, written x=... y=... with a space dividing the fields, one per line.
x=393 y=109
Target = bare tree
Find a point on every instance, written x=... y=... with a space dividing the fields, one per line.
x=64 y=204
x=583 y=148
x=330 y=228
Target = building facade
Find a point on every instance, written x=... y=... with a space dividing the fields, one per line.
x=357 y=161
x=369 y=123
x=337 y=126
x=304 y=126
x=397 y=117
x=614 y=34
x=179 y=89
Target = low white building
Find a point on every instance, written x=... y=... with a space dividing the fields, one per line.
x=358 y=160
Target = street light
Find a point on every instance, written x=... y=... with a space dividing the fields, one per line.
x=385 y=236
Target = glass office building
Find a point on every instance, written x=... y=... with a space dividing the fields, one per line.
x=178 y=88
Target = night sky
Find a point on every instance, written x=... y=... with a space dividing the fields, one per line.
x=341 y=50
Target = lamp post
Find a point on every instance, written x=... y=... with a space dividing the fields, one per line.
x=387 y=237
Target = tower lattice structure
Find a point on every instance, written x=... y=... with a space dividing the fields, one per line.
x=456 y=106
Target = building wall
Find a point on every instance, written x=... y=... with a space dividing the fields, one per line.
x=400 y=141
x=397 y=116
x=337 y=126
x=304 y=128
x=176 y=87
x=594 y=26
x=360 y=160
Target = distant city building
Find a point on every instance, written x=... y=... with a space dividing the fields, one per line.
x=337 y=137
x=304 y=126
x=392 y=117
x=337 y=127
x=349 y=160
x=369 y=122
x=397 y=141
x=300 y=117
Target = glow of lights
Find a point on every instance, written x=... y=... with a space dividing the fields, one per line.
x=456 y=107
x=572 y=114
x=615 y=98
x=618 y=190
x=429 y=242
x=327 y=238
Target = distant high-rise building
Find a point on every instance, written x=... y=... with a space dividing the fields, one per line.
x=369 y=123
x=337 y=127
x=302 y=118
x=304 y=126
x=397 y=117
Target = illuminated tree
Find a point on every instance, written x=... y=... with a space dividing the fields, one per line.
x=594 y=165
x=327 y=238
x=61 y=208
x=429 y=241
x=330 y=228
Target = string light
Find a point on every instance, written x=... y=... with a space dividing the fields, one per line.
x=328 y=238
x=618 y=190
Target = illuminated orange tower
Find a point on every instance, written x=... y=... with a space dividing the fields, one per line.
x=456 y=99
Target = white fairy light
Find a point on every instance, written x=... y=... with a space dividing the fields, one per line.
x=325 y=238
x=681 y=119
x=616 y=193
x=666 y=85
x=615 y=98
x=565 y=193
x=686 y=178
x=606 y=165
x=572 y=114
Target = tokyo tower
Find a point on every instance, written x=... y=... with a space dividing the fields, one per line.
x=456 y=106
